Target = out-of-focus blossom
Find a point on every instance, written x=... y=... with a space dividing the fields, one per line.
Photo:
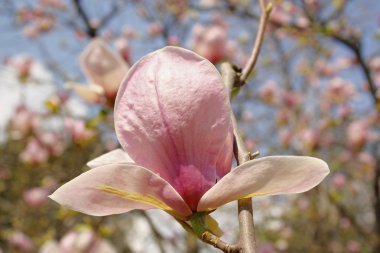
x=266 y=248
x=189 y=107
x=269 y=91
x=35 y=197
x=291 y=99
x=302 y=22
x=279 y=15
x=155 y=29
x=34 y=153
x=344 y=223
x=367 y=160
x=173 y=41
x=23 y=122
x=57 y=4
x=324 y=69
x=124 y=48
x=78 y=242
x=310 y=138
x=283 y=117
x=208 y=3
x=358 y=134
x=285 y=136
x=338 y=91
x=339 y=179
x=21 y=242
x=129 y=32
x=52 y=142
x=353 y=246
x=210 y=41
x=104 y=70
x=78 y=130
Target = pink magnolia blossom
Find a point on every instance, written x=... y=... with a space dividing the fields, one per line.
x=21 y=242
x=155 y=29
x=291 y=99
x=104 y=70
x=23 y=122
x=359 y=133
x=78 y=129
x=34 y=152
x=269 y=91
x=78 y=242
x=211 y=41
x=172 y=119
x=36 y=197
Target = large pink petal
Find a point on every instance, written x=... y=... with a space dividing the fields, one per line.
x=114 y=156
x=172 y=116
x=119 y=188
x=223 y=164
x=272 y=175
x=102 y=66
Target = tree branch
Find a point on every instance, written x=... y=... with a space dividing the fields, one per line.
x=265 y=12
x=213 y=240
x=90 y=30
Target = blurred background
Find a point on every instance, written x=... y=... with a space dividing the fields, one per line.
x=315 y=91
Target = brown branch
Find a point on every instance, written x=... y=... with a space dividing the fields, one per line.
x=247 y=240
x=265 y=12
x=213 y=240
x=90 y=30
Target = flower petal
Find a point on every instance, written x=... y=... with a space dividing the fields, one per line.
x=114 y=156
x=119 y=188
x=172 y=116
x=102 y=66
x=271 y=175
x=223 y=164
x=91 y=93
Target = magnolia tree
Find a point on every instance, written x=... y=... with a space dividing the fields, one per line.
x=168 y=107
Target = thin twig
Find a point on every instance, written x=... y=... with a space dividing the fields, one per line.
x=213 y=240
x=265 y=12
x=90 y=30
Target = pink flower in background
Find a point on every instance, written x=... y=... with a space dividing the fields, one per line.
x=285 y=136
x=269 y=91
x=34 y=153
x=172 y=118
x=124 y=48
x=35 y=197
x=155 y=29
x=359 y=133
x=21 y=242
x=291 y=99
x=339 y=90
x=104 y=70
x=310 y=138
x=53 y=142
x=78 y=242
x=78 y=129
x=339 y=179
x=23 y=122
x=279 y=15
x=210 y=41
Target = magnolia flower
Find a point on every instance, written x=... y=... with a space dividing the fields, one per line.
x=104 y=70
x=35 y=197
x=210 y=41
x=172 y=118
x=78 y=242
